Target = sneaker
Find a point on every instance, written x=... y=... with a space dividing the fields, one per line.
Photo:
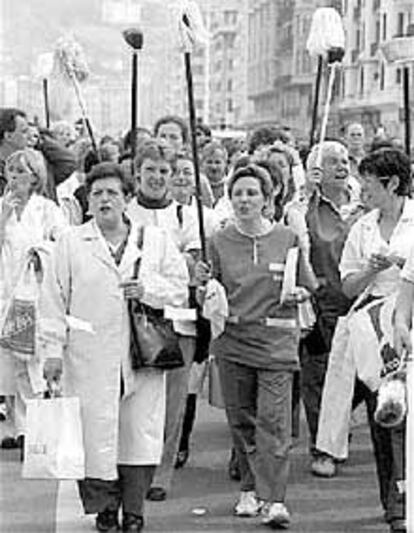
x=323 y=466
x=275 y=515
x=248 y=505
x=107 y=521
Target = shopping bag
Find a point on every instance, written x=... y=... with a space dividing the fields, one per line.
x=54 y=441
x=18 y=324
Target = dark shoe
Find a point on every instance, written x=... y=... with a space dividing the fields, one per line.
x=182 y=458
x=9 y=443
x=157 y=494
x=398 y=525
x=107 y=521
x=132 y=522
x=234 y=470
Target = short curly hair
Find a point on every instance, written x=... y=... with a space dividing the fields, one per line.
x=107 y=170
x=155 y=150
x=385 y=163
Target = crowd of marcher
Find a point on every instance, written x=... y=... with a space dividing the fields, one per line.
x=298 y=289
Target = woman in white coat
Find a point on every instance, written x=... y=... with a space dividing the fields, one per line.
x=123 y=410
x=28 y=222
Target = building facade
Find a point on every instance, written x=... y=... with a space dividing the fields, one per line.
x=372 y=88
x=281 y=72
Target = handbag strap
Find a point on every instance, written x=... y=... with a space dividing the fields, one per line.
x=137 y=265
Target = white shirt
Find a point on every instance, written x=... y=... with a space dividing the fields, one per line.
x=185 y=234
x=365 y=239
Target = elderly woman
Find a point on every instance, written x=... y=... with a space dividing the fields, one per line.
x=28 y=221
x=375 y=251
x=257 y=352
x=123 y=411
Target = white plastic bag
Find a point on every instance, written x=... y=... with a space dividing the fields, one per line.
x=54 y=440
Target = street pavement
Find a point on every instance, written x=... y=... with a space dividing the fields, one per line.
x=202 y=497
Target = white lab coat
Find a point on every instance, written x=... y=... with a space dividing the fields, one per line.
x=85 y=285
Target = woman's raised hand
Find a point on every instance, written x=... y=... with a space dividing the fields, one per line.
x=10 y=203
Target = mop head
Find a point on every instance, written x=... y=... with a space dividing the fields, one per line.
x=326 y=36
x=192 y=31
x=70 y=59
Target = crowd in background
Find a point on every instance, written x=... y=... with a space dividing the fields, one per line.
x=79 y=213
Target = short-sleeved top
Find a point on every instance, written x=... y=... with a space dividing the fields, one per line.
x=260 y=332
x=365 y=238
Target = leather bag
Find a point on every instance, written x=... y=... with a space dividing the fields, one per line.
x=153 y=341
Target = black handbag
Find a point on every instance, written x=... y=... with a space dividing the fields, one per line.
x=153 y=341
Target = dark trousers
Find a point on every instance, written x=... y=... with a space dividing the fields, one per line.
x=312 y=379
x=258 y=407
x=128 y=491
x=389 y=452
x=188 y=422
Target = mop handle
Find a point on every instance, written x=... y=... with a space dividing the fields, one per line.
x=326 y=113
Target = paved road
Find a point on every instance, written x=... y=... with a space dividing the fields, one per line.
x=347 y=503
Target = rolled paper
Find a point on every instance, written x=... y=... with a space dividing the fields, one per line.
x=326 y=34
x=192 y=31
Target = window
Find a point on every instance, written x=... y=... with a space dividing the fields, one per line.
x=361 y=80
x=384 y=27
x=230 y=17
x=382 y=77
x=229 y=85
x=398 y=76
x=377 y=31
x=400 y=25
x=229 y=105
